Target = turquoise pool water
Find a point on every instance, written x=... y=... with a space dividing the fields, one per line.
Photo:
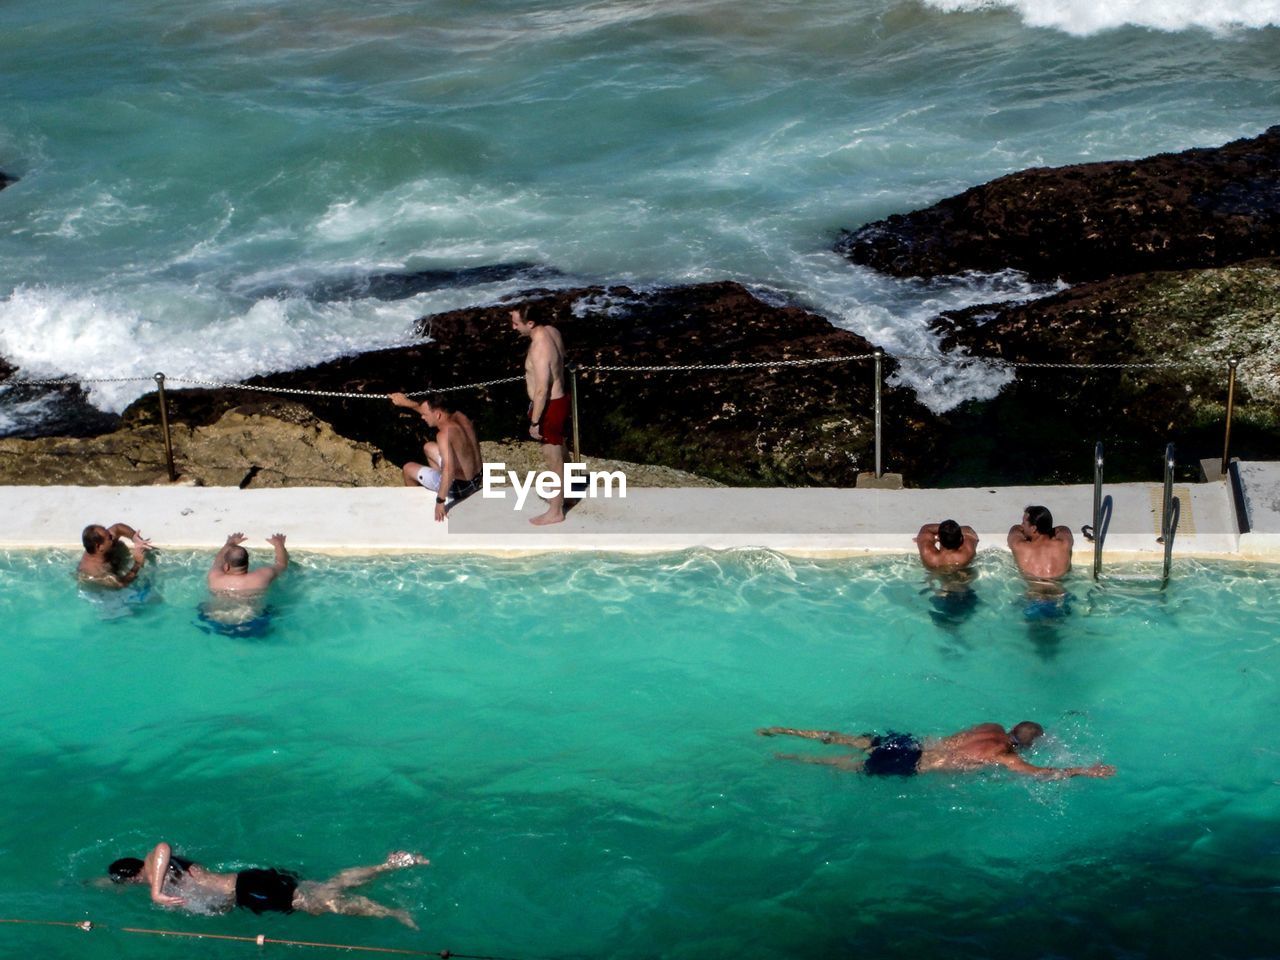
x=570 y=739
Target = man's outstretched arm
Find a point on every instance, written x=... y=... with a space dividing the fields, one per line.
x=1018 y=765
x=282 y=555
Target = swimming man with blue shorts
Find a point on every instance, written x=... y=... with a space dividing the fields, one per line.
x=901 y=754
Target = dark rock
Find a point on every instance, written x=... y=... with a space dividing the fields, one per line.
x=5 y=180
x=46 y=410
x=1043 y=425
x=783 y=425
x=399 y=286
x=1199 y=208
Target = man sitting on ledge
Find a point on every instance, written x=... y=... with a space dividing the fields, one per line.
x=453 y=467
x=901 y=754
x=100 y=564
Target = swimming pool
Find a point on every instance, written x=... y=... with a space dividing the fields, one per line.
x=570 y=739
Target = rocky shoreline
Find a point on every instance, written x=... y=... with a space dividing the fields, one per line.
x=1174 y=259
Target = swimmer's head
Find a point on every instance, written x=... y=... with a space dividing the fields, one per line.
x=236 y=559
x=94 y=536
x=1040 y=518
x=125 y=870
x=1026 y=733
x=950 y=537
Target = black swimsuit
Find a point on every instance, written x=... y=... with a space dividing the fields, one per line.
x=894 y=754
x=262 y=890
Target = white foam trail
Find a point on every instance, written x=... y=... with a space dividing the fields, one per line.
x=1085 y=17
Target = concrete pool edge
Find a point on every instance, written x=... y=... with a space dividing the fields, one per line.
x=816 y=522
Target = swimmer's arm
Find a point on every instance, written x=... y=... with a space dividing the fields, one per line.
x=1064 y=533
x=159 y=868
x=1018 y=765
x=970 y=534
x=1016 y=537
x=282 y=555
x=122 y=530
x=926 y=543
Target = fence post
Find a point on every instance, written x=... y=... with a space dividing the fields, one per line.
x=1231 y=406
x=879 y=355
x=164 y=427
x=577 y=451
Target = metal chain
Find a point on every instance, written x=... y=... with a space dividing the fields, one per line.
x=596 y=368
x=752 y=365
x=1045 y=365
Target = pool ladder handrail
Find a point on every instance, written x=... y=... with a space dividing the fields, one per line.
x=1170 y=512
x=1097 y=509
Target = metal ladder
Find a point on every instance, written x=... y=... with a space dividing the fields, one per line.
x=1171 y=510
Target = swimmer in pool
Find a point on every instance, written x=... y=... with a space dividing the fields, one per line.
x=984 y=745
x=239 y=593
x=453 y=468
x=177 y=882
x=946 y=547
x=104 y=552
x=1042 y=551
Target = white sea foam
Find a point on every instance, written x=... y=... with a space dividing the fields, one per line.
x=1084 y=17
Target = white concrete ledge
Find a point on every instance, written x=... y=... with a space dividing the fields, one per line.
x=808 y=521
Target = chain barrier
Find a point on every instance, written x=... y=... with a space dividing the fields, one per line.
x=260 y=940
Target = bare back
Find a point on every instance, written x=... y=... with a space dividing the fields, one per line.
x=1042 y=557
x=459 y=447
x=977 y=746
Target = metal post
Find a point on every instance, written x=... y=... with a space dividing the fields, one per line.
x=577 y=450
x=1097 y=510
x=879 y=355
x=164 y=427
x=1231 y=406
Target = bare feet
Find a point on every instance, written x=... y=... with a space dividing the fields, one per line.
x=403 y=858
x=551 y=516
x=769 y=731
x=404 y=917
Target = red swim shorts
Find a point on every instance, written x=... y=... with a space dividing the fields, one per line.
x=553 y=421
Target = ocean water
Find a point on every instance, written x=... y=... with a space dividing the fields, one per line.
x=571 y=740
x=193 y=174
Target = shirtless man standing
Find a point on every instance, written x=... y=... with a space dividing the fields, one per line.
x=102 y=552
x=177 y=882
x=453 y=457
x=946 y=546
x=548 y=403
x=987 y=744
x=1043 y=551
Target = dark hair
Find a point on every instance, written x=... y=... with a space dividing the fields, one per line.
x=1041 y=518
x=92 y=537
x=237 y=556
x=1026 y=732
x=439 y=401
x=950 y=536
x=124 y=869
x=535 y=313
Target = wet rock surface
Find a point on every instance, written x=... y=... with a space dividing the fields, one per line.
x=772 y=425
x=1198 y=208
x=1174 y=332
x=5 y=179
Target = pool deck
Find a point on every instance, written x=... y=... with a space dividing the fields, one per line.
x=810 y=521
